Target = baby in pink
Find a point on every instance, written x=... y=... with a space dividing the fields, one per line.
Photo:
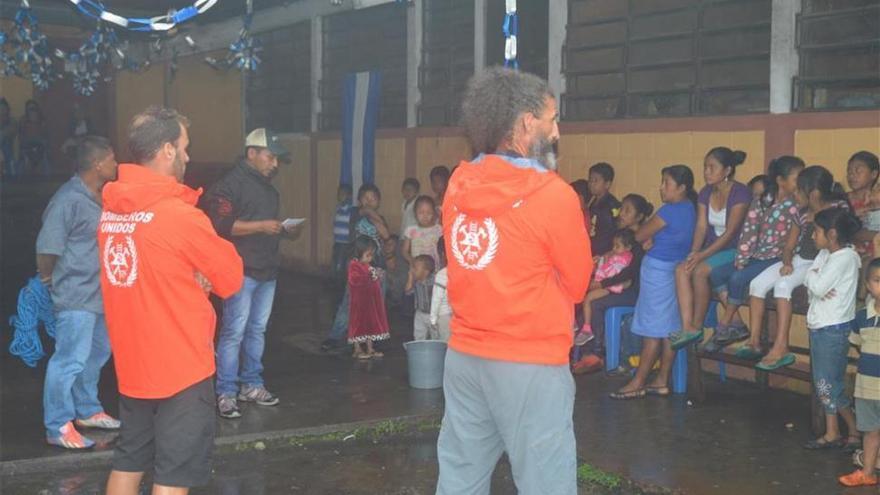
x=608 y=265
x=612 y=264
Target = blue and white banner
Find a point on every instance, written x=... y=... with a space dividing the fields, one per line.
x=360 y=113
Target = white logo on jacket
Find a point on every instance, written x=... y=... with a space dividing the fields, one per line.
x=474 y=242
x=120 y=261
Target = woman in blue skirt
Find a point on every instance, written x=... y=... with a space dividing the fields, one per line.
x=656 y=314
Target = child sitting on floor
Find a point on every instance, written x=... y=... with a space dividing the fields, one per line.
x=420 y=284
x=866 y=336
x=609 y=265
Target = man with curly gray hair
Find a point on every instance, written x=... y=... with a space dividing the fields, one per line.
x=519 y=259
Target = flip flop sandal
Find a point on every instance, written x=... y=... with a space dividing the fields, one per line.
x=857 y=478
x=364 y=356
x=682 y=339
x=822 y=444
x=748 y=352
x=634 y=394
x=786 y=360
x=657 y=391
x=377 y=354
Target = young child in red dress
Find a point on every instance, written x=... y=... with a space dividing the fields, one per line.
x=367 y=319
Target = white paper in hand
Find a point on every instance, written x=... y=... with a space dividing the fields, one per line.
x=292 y=222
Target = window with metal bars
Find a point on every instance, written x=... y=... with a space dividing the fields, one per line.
x=278 y=95
x=361 y=40
x=447 y=59
x=839 y=55
x=635 y=58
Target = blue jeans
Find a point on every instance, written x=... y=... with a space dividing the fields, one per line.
x=243 y=334
x=81 y=350
x=738 y=281
x=339 y=331
x=828 y=350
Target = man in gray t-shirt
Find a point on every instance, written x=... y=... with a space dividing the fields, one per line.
x=68 y=263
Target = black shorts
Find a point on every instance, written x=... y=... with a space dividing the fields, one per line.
x=173 y=436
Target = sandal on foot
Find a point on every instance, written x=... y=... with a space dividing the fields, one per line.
x=376 y=354
x=786 y=360
x=657 y=391
x=822 y=444
x=632 y=394
x=363 y=356
x=857 y=478
x=683 y=338
x=748 y=352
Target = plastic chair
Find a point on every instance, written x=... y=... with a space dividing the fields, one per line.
x=613 y=318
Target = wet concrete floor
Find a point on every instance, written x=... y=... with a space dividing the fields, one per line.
x=734 y=443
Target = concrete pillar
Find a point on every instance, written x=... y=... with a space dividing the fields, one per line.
x=480 y=7
x=556 y=42
x=783 y=54
x=317 y=33
x=413 y=61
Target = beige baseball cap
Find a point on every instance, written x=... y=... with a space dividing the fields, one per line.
x=264 y=138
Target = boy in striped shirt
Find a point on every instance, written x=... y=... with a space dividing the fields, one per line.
x=866 y=335
x=342 y=233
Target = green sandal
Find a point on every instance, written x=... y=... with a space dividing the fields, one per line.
x=786 y=360
x=748 y=352
x=682 y=338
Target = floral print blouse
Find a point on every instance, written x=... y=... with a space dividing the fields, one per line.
x=765 y=230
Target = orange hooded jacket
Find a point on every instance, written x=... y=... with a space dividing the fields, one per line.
x=519 y=259
x=152 y=240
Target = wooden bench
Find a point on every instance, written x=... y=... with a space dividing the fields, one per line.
x=762 y=378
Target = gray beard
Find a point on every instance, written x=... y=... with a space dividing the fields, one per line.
x=542 y=151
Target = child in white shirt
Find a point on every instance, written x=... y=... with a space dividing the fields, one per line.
x=441 y=312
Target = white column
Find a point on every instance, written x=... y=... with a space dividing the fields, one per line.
x=479 y=35
x=317 y=71
x=556 y=42
x=783 y=53
x=413 y=61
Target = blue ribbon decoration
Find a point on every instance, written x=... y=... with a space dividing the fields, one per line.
x=96 y=10
x=510 y=28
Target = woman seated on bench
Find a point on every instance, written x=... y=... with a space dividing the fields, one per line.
x=721 y=210
x=816 y=191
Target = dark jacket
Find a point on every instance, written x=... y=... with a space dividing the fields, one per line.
x=245 y=194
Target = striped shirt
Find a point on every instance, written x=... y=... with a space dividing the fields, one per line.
x=422 y=292
x=341 y=227
x=866 y=335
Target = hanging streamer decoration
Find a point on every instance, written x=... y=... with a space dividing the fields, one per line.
x=511 y=26
x=96 y=10
x=10 y=68
x=32 y=48
x=243 y=53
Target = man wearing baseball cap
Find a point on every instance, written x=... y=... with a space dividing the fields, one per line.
x=243 y=206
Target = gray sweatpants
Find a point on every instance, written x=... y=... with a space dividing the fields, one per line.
x=422 y=328
x=498 y=406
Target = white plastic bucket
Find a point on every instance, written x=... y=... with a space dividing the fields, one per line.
x=425 y=359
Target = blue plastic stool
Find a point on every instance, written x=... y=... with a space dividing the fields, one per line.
x=613 y=318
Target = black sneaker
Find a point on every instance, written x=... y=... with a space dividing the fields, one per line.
x=227 y=407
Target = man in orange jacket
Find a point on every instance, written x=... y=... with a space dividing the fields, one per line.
x=519 y=259
x=160 y=257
